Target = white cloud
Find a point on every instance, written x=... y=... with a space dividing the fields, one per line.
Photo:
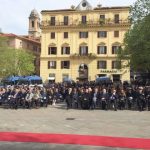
x=14 y=13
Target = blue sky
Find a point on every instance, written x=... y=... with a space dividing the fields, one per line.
x=14 y=13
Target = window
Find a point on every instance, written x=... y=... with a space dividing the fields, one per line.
x=52 y=75
x=116 y=65
x=115 y=49
x=65 y=76
x=52 y=35
x=32 y=24
x=65 y=35
x=65 y=20
x=116 y=77
x=101 y=65
x=35 y=48
x=84 y=19
x=102 y=34
x=65 y=50
x=51 y=64
x=116 y=19
x=101 y=49
x=52 y=50
x=83 y=50
x=65 y=65
x=52 y=21
x=116 y=33
x=102 y=19
x=83 y=34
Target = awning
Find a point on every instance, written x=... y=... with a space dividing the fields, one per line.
x=51 y=78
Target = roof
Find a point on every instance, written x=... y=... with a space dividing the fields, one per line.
x=101 y=8
x=34 y=13
x=20 y=37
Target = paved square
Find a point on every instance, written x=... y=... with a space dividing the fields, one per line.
x=84 y=122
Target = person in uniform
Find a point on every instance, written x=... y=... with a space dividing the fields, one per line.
x=130 y=98
x=75 y=98
x=86 y=99
x=121 y=100
x=104 y=99
x=69 y=98
x=141 y=101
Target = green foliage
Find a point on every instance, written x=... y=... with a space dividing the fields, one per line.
x=15 y=61
x=139 y=10
x=137 y=46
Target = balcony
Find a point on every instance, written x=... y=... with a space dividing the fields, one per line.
x=89 y=55
x=76 y=23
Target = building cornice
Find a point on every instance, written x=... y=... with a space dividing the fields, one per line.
x=102 y=9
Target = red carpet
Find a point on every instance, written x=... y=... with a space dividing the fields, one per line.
x=76 y=139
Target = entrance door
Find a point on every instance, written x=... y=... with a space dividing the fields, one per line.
x=116 y=78
x=83 y=72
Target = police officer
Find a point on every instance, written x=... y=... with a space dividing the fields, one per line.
x=141 y=101
x=86 y=99
x=69 y=98
x=130 y=100
x=104 y=99
x=122 y=100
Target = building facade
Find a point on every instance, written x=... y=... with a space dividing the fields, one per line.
x=81 y=43
x=30 y=42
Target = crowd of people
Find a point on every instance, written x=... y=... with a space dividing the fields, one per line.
x=78 y=96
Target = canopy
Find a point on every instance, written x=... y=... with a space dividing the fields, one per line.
x=29 y=78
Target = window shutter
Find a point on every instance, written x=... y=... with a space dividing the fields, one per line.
x=68 y=64
x=80 y=50
x=86 y=34
x=68 y=50
x=105 y=33
x=97 y=64
x=86 y=49
x=112 y=64
x=48 y=64
x=49 y=50
x=105 y=49
x=55 y=64
x=98 y=47
x=62 y=50
x=56 y=50
x=113 y=49
x=62 y=64
x=98 y=35
x=79 y=34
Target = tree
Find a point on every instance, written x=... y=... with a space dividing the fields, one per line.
x=136 y=49
x=15 y=61
x=139 y=10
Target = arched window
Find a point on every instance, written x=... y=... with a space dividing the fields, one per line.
x=32 y=24
x=65 y=49
x=83 y=49
x=115 y=47
x=101 y=48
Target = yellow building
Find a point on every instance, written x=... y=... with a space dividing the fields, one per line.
x=82 y=42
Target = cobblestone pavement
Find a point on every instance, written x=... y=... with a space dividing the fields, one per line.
x=87 y=122
x=39 y=146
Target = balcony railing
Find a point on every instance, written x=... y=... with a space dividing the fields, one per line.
x=89 y=55
x=88 y=23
